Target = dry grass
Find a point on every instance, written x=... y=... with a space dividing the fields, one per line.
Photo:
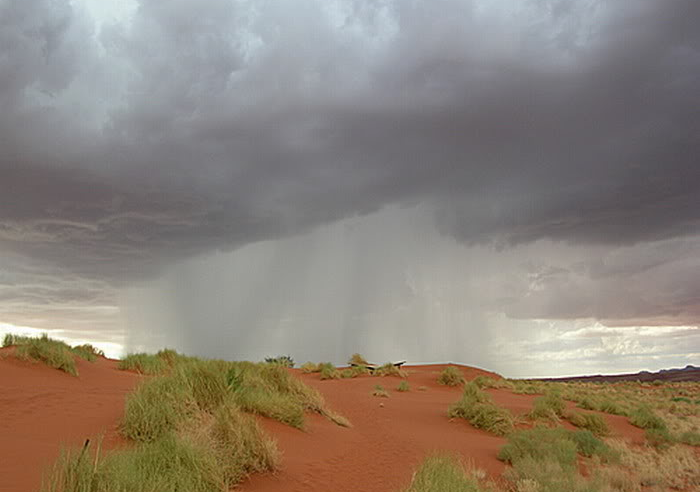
x=450 y=376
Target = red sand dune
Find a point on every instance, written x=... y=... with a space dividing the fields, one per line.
x=42 y=408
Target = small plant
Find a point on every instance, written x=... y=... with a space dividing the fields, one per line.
x=593 y=422
x=280 y=360
x=380 y=391
x=88 y=352
x=691 y=438
x=389 y=369
x=357 y=359
x=403 y=386
x=646 y=419
x=143 y=363
x=422 y=388
x=442 y=474
x=450 y=376
x=53 y=353
x=548 y=407
x=476 y=407
x=309 y=367
x=329 y=371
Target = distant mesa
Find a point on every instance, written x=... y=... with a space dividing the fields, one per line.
x=688 y=373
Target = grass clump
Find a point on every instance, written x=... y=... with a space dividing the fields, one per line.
x=450 y=376
x=329 y=371
x=380 y=391
x=403 y=387
x=548 y=407
x=353 y=372
x=309 y=367
x=157 y=407
x=88 y=352
x=143 y=363
x=280 y=360
x=590 y=421
x=690 y=438
x=442 y=474
x=476 y=407
x=645 y=418
x=357 y=359
x=53 y=353
x=389 y=369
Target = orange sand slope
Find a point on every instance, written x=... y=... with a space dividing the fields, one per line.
x=42 y=408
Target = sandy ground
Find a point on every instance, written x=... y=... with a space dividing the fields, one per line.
x=42 y=408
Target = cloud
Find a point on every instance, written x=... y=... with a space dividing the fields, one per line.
x=565 y=129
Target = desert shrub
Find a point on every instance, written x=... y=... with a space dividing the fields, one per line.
x=88 y=352
x=525 y=388
x=143 y=363
x=353 y=372
x=489 y=382
x=280 y=360
x=541 y=444
x=549 y=407
x=659 y=438
x=609 y=406
x=329 y=371
x=158 y=406
x=645 y=418
x=276 y=406
x=53 y=353
x=206 y=383
x=358 y=360
x=450 y=376
x=442 y=474
x=309 y=367
x=389 y=369
x=169 y=356
x=403 y=386
x=593 y=422
x=589 y=445
x=691 y=438
x=170 y=463
x=240 y=445
x=476 y=407
x=380 y=391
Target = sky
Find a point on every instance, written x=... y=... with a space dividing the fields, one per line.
x=510 y=185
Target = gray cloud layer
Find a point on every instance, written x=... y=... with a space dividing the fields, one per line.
x=191 y=127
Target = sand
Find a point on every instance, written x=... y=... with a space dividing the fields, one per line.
x=42 y=408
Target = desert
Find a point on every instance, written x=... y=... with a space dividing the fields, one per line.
x=75 y=421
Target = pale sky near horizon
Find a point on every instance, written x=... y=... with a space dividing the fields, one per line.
x=511 y=185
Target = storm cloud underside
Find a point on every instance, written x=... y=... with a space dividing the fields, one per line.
x=529 y=167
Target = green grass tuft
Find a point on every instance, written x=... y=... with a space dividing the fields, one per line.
x=593 y=422
x=645 y=418
x=476 y=407
x=328 y=371
x=548 y=407
x=450 y=376
x=88 y=352
x=442 y=474
x=403 y=386
x=143 y=363
x=53 y=353
x=380 y=391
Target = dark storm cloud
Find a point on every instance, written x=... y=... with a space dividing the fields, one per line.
x=197 y=126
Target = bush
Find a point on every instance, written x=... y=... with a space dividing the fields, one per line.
x=659 y=438
x=240 y=445
x=280 y=360
x=450 y=376
x=403 y=386
x=309 y=367
x=549 y=407
x=593 y=422
x=87 y=352
x=389 y=369
x=690 y=438
x=442 y=474
x=476 y=407
x=557 y=445
x=157 y=407
x=380 y=391
x=143 y=363
x=328 y=371
x=357 y=359
x=646 y=419
x=53 y=353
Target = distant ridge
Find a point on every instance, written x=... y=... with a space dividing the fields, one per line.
x=688 y=373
